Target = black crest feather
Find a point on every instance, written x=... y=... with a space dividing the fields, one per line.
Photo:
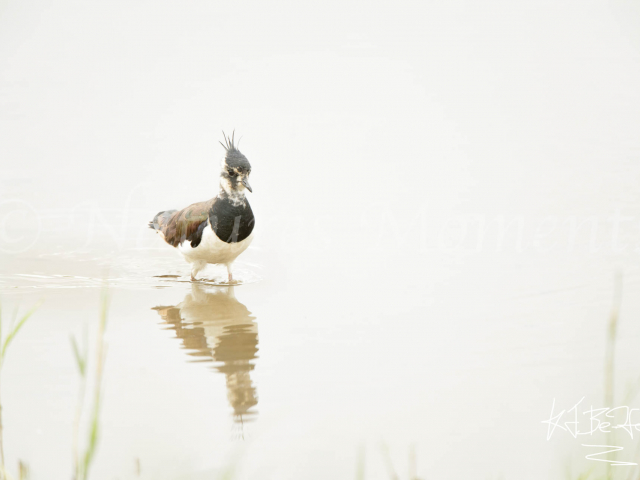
x=229 y=142
x=234 y=157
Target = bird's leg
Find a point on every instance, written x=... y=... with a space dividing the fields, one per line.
x=195 y=268
x=229 y=272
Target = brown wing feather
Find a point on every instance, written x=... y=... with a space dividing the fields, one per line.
x=186 y=224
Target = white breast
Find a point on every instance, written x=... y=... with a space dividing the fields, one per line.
x=212 y=249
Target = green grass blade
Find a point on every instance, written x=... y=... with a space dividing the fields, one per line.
x=360 y=464
x=17 y=328
x=80 y=359
x=94 y=430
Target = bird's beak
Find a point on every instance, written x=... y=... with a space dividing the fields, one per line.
x=245 y=182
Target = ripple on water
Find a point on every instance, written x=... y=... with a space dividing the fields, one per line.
x=129 y=271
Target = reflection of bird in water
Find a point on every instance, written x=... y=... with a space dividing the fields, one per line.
x=214 y=325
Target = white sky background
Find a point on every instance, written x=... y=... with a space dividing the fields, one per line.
x=100 y=100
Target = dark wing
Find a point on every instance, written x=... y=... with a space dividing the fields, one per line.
x=187 y=224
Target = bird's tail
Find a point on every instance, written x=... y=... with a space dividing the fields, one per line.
x=161 y=219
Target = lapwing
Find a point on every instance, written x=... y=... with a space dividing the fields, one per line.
x=218 y=230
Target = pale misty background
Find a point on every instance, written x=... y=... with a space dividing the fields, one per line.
x=380 y=134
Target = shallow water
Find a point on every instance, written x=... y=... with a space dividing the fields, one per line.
x=317 y=358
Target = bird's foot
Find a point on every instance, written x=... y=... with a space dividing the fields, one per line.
x=193 y=279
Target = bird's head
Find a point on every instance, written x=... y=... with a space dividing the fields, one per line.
x=234 y=176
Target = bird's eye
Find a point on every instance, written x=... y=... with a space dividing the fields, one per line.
x=232 y=173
